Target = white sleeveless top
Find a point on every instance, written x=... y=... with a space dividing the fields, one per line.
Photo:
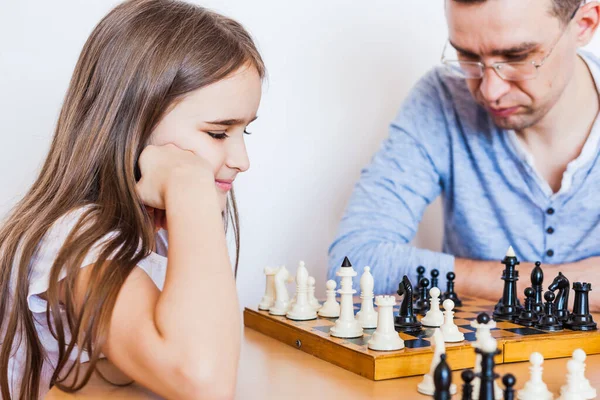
x=154 y=265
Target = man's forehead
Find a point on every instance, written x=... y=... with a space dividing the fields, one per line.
x=497 y=27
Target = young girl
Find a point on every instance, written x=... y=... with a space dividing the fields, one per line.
x=150 y=136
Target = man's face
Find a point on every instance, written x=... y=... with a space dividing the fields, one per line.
x=513 y=30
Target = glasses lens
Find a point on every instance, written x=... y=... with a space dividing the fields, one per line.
x=516 y=71
x=465 y=69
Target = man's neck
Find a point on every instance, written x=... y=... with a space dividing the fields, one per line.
x=559 y=138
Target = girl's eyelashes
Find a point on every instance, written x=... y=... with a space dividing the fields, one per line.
x=247 y=133
x=218 y=136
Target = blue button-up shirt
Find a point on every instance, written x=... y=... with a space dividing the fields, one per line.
x=443 y=143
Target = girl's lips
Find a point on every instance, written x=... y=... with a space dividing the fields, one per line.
x=224 y=185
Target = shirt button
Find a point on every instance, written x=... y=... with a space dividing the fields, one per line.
x=550 y=230
x=550 y=253
x=550 y=211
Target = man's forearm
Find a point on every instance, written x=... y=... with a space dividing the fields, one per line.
x=483 y=279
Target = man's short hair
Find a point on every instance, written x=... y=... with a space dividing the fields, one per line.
x=562 y=9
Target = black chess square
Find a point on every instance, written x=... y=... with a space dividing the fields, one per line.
x=470 y=336
x=525 y=331
x=470 y=328
x=416 y=343
x=324 y=329
x=359 y=341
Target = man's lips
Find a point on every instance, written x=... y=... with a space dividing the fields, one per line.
x=503 y=112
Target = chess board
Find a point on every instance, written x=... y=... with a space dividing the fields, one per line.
x=515 y=341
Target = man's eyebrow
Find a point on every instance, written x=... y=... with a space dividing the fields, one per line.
x=521 y=48
x=232 y=121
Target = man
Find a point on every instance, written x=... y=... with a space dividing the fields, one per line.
x=507 y=131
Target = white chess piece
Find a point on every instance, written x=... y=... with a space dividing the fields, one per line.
x=572 y=390
x=346 y=325
x=385 y=337
x=427 y=387
x=482 y=334
x=268 y=299
x=435 y=316
x=282 y=298
x=331 y=308
x=302 y=310
x=586 y=389
x=312 y=300
x=535 y=388
x=449 y=328
x=367 y=316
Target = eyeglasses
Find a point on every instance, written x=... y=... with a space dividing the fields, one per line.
x=507 y=70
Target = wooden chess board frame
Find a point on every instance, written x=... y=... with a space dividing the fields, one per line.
x=516 y=342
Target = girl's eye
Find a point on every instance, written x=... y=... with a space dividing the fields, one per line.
x=217 y=136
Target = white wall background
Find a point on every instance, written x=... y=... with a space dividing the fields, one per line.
x=338 y=71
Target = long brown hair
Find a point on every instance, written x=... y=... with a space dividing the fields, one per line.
x=141 y=58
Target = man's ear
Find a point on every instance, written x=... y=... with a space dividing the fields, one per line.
x=586 y=21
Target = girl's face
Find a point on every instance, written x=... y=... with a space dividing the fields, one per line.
x=212 y=121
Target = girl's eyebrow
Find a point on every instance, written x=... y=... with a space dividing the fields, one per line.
x=232 y=121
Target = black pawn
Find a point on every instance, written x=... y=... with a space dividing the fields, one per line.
x=420 y=275
x=581 y=319
x=442 y=379
x=508 y=307
x=537 y=280
x=509 y=381
x=548 y=320
x=434 y=278
x=467 y=390
x=422 y=304
x=450 y=293
x=528 y=317
x=483 y=318
x=406 y=320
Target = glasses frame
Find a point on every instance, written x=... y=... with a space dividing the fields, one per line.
x=497 y=66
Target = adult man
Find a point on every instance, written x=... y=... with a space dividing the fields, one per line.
x=508 y=133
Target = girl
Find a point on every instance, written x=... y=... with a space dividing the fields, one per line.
x=150 y=135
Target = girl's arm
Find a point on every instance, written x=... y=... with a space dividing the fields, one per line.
x=183 y=342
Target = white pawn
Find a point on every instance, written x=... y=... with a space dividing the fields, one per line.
x=367 y=316
x=312 y=300
x=449 y=328
x=586 y=389
x=435 y=316
x=535 y=388
x=282 y=298
x=302 y=310
x=269 y=298
x=427 y=386
x=572 y=390
x=346 y=325
x=385 y=337
x=331 y=308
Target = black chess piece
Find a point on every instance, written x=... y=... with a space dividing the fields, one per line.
x=442 y=379
x=561 y=302
x=527 y=316
x=434 y=278
x=406 y=320
x=537 y=280
x=467 y=390
x=508 y=308
x=346 y=263
x=487 y=376
x=581 y=319
x=420 y=275
x=450 y=293
x=509 y=381
x=548 y=320
x=422 y=304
